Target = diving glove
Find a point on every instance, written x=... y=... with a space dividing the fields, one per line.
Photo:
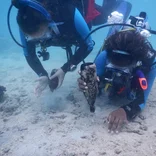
x=115 y=17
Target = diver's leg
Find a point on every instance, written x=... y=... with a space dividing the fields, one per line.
x=108 y=7
x=124 y=7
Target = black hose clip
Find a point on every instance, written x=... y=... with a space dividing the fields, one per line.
x=44 y=54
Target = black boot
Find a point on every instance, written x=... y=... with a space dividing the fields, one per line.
x=2 y=90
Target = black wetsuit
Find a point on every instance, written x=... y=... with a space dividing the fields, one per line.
x=73 y=31
x=135 y=106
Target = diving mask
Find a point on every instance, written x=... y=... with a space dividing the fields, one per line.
x=48 y=33
x=41 y=37
x=121 y=58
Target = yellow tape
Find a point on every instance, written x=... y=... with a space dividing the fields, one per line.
x=107 y=86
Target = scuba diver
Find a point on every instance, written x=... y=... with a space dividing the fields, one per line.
x=126 y=67
x=57 y=23
x=52 y=23
x=95 y=14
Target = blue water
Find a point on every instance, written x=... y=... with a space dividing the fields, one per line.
x=138 y=5
x=19 y=78
x=11 y=50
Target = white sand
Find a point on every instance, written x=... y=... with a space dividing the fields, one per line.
x=59 y=123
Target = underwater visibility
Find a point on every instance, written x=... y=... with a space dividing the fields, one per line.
x=73 y=74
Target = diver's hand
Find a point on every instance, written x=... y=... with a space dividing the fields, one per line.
x=116 y=120
x=145 y=33
x=42 y=84
x=60 y=75
x=82 y=85
x=115 y=17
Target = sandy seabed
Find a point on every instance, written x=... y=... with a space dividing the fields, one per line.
x=60 y=124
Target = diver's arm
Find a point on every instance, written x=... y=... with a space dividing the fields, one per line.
x=100 y=62
x=135 y=107
x=32 y=59
x=86 y=46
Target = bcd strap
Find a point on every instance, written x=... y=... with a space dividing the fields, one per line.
x=142 y=79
